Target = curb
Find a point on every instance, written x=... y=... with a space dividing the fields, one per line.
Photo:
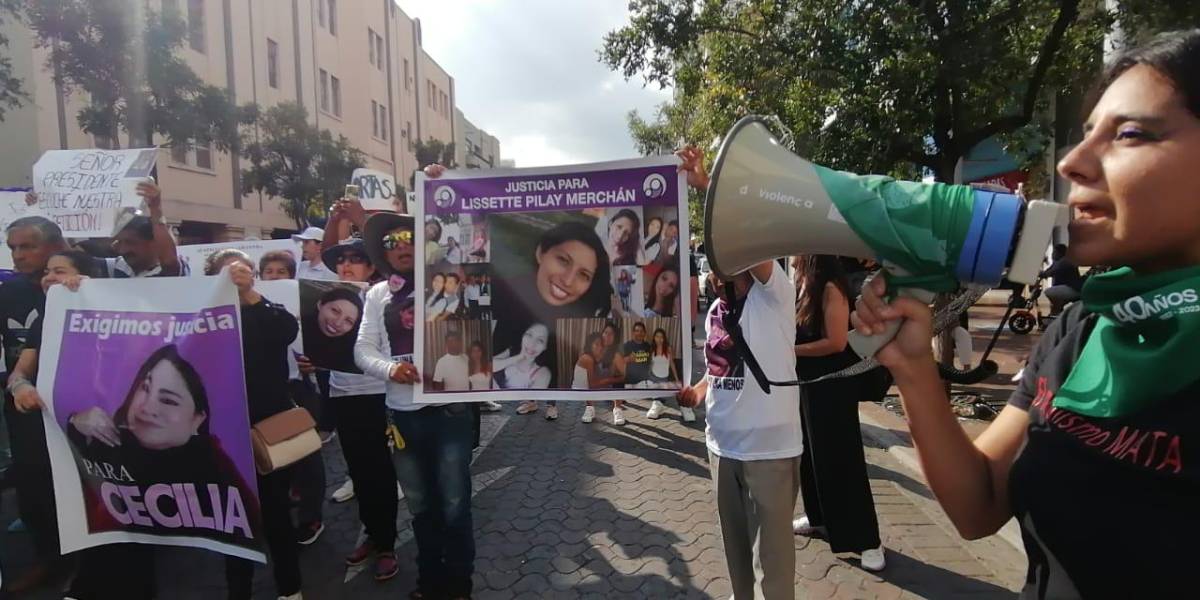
x=1010 y=532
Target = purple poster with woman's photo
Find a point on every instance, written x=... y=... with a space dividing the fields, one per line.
x=557 y=283
x=147 y=424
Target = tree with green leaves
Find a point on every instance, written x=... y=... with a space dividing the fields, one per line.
x=902 y=88
x=430 y=152
x=12 y=95
x=127 y=61
x=294 y=160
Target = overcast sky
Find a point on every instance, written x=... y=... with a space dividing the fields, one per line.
x=527 y=71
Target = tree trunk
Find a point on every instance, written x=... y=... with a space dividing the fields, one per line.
x=947 y=165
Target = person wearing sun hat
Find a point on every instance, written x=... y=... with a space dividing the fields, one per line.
x=433 y=464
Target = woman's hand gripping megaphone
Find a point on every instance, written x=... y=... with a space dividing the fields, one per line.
x=900 y=330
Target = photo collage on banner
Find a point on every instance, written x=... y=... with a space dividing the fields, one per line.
x=146 y=421
x=330 y=313
x=527 y=271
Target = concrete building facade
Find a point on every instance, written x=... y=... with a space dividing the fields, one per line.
x=357 y=66
x=474 y=148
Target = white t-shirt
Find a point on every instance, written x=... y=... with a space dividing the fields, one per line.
x=744 y=422
x=480 y=381
x=452 y=371
x=472 y=292
x=305 y=270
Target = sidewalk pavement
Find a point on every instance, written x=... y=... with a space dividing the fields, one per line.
x=569 y=510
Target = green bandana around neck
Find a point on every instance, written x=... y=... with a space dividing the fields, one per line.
x=1143 y=346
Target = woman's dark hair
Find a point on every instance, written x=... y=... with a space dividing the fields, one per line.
x=598 y=298
x=435 y=223
x=652 y=296
x=627 y=253
x=279 y=256
x=191 y=379
x=485 y=362
x=652 y=239
x=216 y=260
x=666 y=345
x=81 y=261
x=546 y=359
x=347 y=294
x=588 y=341
x=1174 y=54
x=813 y=272
x=611 y=353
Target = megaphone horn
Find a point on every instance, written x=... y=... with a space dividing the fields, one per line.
x=764 y=202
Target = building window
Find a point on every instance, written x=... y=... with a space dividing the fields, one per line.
x=408 y=134
x=383 y=123
x=272 y=63
x=203 y=156
x=332 y=17
x=103 y=141
x=196 y=28
x=371 y=44
x=321 y=12
x=379 y=51
x=407 y=78
x=179 y=154
x=336 y=85
x=374 y=118
x=324 y=90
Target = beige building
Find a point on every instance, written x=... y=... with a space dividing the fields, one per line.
x=474 y=148
x=357 y=66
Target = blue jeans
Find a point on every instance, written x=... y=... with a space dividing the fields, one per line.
x=434 y=469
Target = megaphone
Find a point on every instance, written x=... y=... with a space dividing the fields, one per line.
x=764 y=202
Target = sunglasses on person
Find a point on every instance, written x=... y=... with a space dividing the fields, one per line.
x=352 y=258
x=393 y=240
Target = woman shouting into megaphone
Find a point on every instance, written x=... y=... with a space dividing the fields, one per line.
x=1095 y=454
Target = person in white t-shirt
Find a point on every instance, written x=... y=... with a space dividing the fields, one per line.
x=754 y=437
x=452 y=371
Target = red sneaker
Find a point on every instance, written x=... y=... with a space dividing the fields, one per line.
x=360 y=554
x=386 y=567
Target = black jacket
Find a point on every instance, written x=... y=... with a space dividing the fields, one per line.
x=267 y=331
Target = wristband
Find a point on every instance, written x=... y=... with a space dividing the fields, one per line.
x=16 y=382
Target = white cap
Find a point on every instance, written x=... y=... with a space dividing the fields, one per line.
x=312 y=233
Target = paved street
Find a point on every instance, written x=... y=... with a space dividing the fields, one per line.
x=567 y=510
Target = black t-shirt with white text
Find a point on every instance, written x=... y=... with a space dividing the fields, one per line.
x=21 y=303
x=1108 y=507
x=637 y=361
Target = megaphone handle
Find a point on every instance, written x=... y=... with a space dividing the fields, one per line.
x=867 y=345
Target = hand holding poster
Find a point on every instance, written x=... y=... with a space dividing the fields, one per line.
x=146 y=419
x=82 y=190
x=376 y=189
x=555 y=283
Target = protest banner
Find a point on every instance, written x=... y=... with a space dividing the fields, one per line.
x=330 y=313
x=146 y=416
x=526 y=271
x=83 y=190
x=376 y=189
x=192 y=256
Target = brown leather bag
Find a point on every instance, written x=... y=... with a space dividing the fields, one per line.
x=284 y=438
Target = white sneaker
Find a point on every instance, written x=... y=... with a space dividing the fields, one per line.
x=296 y=596
x=801 y=527
x=656 y=410
x=490 y=406
x=344 y=493
x=589 y=413
x=689 y=415
x=872 y=560
x=399 y=491
x=1017 y=378
x=618 y=416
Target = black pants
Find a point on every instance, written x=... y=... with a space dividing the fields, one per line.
x=362 y=430
x=285 y=553
x=326 y=417
x=308 y=475
x=107 y=573
x=31 y=476
x=833 y=468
